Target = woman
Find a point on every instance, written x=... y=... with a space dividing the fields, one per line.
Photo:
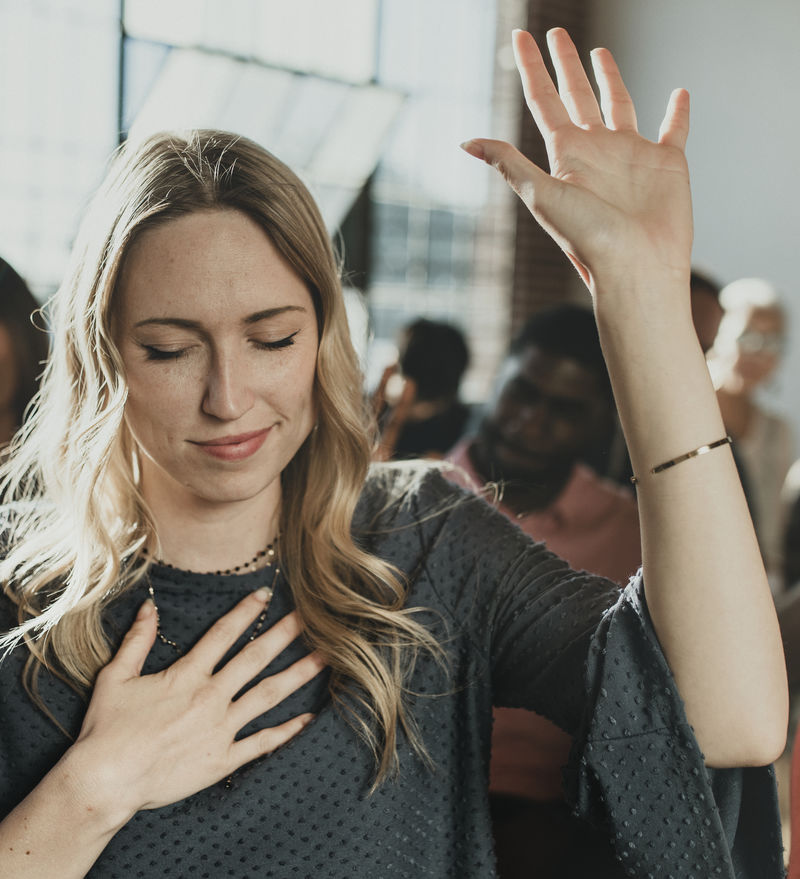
x=23 y=349
x=747 y=351
x=215 y=413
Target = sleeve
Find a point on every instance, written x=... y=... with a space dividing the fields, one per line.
x=524 y=610
x=571 y=646
x=527 y=617
x=636 y=767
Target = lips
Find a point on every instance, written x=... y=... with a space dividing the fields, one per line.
x=236 y=447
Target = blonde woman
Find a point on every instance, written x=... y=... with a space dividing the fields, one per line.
x=237 y=651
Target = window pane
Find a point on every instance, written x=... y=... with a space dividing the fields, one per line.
x=59 y=125
x=335 y=40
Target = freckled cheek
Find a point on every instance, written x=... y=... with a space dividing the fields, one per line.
x=155 y=397
x=155 y=409
x=291 y=390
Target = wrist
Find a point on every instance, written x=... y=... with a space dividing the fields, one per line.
x=91 y=785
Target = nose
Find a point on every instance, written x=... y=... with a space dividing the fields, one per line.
x=228 y=394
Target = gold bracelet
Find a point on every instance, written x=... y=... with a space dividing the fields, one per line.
x=701 y=450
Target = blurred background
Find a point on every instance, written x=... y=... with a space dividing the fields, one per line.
x=368 y=101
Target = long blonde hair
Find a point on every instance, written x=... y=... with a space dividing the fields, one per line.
x=79 y=518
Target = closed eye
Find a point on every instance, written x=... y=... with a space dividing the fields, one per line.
x=277 y=344
x=153 y=353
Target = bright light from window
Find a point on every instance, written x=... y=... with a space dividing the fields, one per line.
x=58 y=103
x=333 y=39
x=330 y=133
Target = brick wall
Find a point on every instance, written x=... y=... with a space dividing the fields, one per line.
x=542 y=275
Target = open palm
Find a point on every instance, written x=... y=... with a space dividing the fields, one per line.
x=614 y=201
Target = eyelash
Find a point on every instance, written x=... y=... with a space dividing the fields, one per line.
x=153 y=353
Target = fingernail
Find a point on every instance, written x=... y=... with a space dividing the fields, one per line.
x=473 y=148
x=146 y=610
x=263 y=593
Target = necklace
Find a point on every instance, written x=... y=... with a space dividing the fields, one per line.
x=252 y=565
x=268 y=553
x=259 y=624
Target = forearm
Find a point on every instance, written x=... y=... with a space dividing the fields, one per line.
x=59 y=829
x=706 y=588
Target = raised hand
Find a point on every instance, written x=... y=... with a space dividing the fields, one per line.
x=616 y=203
x=619 y=206
x=151 y=740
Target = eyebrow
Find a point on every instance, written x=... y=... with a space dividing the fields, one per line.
x=184 y=323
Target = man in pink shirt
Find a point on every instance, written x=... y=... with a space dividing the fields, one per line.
x=552 y=401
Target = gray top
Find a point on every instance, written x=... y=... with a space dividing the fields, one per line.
x=520 y=629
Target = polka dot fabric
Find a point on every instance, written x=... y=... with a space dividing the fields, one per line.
x=519 y=629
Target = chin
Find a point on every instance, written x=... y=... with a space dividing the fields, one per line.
x=230 y=494
x=231 y=486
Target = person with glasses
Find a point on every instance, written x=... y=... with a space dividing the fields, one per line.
x=746 y=354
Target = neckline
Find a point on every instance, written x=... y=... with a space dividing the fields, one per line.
x=166 y=577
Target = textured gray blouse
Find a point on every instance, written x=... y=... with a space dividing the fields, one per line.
x=520 y=629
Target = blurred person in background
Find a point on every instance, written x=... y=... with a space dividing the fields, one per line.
x=553 y=399
x=23 y=350
x=427 y=418
x=745 y=355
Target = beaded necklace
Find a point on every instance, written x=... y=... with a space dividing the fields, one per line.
x=252 y=565
x=267 y=553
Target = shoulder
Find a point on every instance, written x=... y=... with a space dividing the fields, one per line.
x=604 y=493
x=415 y=503
x=408 y=489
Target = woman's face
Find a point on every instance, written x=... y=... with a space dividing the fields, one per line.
x=219 y=340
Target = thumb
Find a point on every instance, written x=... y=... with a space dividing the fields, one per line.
x=553 y=203
x=137 y=642
x=529 y=181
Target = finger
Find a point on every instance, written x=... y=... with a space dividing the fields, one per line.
x=574 y=87
x=409 y=395
x=397 y=419
x=273 y=690
x=549 y=200
x=254 y=657
x=267 y=740
x=226 y=631
x=379 y=397
x=137 y=643
x=618 y=111
x=540 y=94
x=675 y=128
